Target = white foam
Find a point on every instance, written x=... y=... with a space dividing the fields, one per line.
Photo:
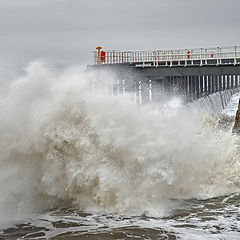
x=63 y=144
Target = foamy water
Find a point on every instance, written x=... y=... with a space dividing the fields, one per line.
x=67 y=144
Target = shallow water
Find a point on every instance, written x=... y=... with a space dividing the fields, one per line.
x=215 y=218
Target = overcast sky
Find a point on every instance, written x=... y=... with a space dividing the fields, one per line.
x=68 y=31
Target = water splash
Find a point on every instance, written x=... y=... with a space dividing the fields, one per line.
x=63 y=144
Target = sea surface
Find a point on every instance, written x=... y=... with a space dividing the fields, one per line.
x=80 y=162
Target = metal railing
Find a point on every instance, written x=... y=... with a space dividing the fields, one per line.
x=195 y=56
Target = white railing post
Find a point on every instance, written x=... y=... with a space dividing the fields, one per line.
x=143 y=58
x=178 y=58
x=235 y=55
x=201 y=57
x=156 y=58
x=220 y=55
x=217 y=55
x=166 y=57
x=191 y=57
x=205 y=56
x=185 y=57
x=170 y=58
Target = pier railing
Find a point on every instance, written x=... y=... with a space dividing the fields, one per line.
x=195 y=56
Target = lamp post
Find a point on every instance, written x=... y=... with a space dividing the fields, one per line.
x=99 y=55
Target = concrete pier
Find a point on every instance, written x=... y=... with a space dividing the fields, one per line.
x=173 y=72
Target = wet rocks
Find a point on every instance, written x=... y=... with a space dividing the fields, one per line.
x=236 y=127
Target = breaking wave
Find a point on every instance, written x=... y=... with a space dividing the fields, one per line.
x=64 y=144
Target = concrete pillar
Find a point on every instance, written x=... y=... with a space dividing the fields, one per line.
x=167 y=85
x=145 y=90
x=223 y=82
x=201 y=85
x=236 y=81
x=212 y=84
x=232 y=82
x=228 y=81
x=178 y=86
x=209 y=85
x=193 y=87
x=174 y=84
x=150 y=90
x=186 y=87
x=171 y=83
x=130 y=85
x=216 y=87
x=157 y=89
x=121 y=86
x=115 y=86
x=219 y=82
x=137 y=87
x=190 y=86
x=197 y=81
x=181 y=86
x=205 y=85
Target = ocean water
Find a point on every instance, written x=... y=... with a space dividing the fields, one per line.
x=80 y=163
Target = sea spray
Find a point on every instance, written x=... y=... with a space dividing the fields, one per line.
x=64 y=144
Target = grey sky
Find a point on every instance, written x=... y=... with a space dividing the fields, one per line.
x=68 y=30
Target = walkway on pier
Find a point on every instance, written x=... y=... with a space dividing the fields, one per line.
x=178 y=57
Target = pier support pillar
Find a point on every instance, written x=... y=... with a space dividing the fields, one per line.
x=205 y=85
x=188 y=87
x=130 y=85
x=228 y=81
x=145 y=90
x=216 y=87
x=236 y=81
x=201 y=85
x=209 y=85
x=185 y=83
x=212 y=84
x=121 y=86
x=219 y=83
x=197 y=81
x=157 y=89
x=223 y=82
x=232 y=82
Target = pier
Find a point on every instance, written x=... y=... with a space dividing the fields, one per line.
x=190 y=73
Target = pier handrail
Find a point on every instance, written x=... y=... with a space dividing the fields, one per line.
x=160 y=56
